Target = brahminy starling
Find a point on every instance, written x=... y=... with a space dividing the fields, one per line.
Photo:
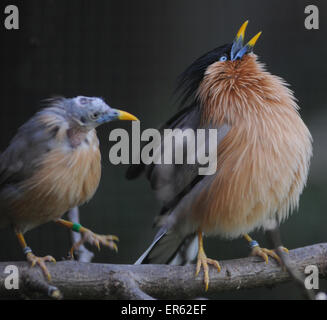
x=52 y=165
x=263 y=155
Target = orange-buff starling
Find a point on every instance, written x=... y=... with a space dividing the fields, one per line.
x=263 y=156
x=54 y=164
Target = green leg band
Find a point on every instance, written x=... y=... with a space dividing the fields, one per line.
x=76 y=227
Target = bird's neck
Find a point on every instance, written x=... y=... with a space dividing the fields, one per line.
x=76 y=135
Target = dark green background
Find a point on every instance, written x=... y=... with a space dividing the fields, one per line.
x=130 y=53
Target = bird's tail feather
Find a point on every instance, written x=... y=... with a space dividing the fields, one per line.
x=170 y=248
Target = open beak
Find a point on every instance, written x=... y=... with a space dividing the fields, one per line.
x=238 y=50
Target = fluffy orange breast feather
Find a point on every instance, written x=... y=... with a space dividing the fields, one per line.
x=66 y=177
x=264 y=159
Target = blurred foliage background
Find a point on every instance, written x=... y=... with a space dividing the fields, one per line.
x=130 y=53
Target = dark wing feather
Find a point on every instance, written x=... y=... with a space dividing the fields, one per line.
x=19 y=161
x=135 y=170
x=170 y=180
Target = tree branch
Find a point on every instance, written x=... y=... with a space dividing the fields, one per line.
x=77 y=280
x=297 y=276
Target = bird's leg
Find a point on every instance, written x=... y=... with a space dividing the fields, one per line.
x=89 y=236
x=84 y=255
x=204 y=261
x=33 y=259
x=263 y=252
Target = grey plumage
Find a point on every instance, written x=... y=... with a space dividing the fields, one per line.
x=20 y=161
x=40 y=135
x=176 y=186
x=170 y=248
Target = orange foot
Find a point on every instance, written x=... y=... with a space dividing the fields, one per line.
x=95 y=239
x=264 y=253
x=40 y=261
x=204 y=261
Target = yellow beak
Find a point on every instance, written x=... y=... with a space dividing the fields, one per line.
x=252 y=42
x=241 y=32
x=238 y=50
x=123 y=115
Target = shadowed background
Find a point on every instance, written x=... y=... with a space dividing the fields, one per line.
x=130 y=53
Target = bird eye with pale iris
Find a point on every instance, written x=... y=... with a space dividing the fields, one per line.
x=94 y=115
x=223 y=58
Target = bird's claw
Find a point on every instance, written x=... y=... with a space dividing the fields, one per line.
x=204 y=261
x=97 y=240
x=264 y=253
x=106 y=240
x=40 y=261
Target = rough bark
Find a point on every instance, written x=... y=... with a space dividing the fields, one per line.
x=77 y=280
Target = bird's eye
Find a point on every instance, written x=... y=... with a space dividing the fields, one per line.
x=223 y=58
x=94 y=115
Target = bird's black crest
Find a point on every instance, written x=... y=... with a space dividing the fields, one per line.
x=189 y=81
